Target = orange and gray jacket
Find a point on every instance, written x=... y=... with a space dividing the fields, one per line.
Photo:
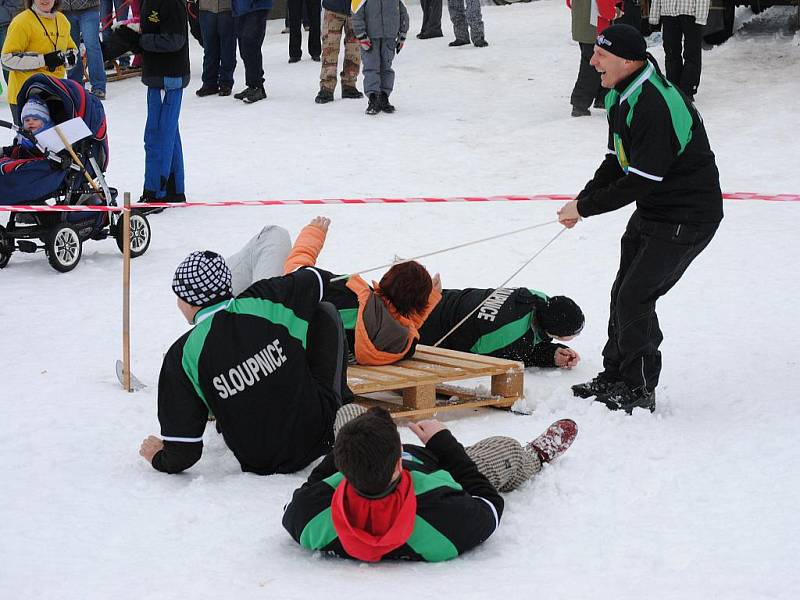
x=376 y=332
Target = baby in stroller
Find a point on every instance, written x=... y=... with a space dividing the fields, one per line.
x=61 y=173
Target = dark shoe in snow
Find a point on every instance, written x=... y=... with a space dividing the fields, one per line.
x=455 y=43
x=385 y=106
x=100 y=94
x=225 y=90
x=294 y=59
x=241 y=95
x=580 y=112
x=351 y=92
x=481 y=43
x=555 y=440
x=149 y=197
x=627 y=398
x=429 y=36
x=324 y=97
x=602 y=384
x=207 y=89
x=316 y=58
x=599 y=103
x=254 y=95
x=374 y=106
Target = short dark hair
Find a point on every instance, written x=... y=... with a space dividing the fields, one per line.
x=407 y=286
x=367 y=449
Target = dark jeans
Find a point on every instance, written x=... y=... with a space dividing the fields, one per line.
x=327 y=355
x=653 y=258
x=219 y=48
x=682 y=35
x=250 y=30
x=431 y=17
x=295 y=8
x=587 y=86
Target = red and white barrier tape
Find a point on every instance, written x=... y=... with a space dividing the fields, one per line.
x=322 y=201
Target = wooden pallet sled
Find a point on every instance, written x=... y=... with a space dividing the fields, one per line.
x=423 y=382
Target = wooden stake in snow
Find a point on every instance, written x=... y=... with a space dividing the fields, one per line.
x=126 y=293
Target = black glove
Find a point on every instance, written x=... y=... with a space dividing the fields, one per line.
x=53 y=60
x=129 y=37
x=70 y=58
x=66 y=160
x=400 y=42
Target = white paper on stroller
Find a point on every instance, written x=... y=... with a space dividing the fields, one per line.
x=74 y=130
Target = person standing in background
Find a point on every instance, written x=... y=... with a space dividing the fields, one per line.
x=84 y=21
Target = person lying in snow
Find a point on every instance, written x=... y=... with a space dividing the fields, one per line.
x=514 y=323
x=381 y=321
x=269 y=364
x=373 y=498
x=35 y=117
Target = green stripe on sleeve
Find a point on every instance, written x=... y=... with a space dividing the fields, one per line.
x=349 y=317
x=190 y=361
x=272 y=311
x=319 y=531
x=678 y=112
x=425 y=482
x=502 y=336
x=430 y=543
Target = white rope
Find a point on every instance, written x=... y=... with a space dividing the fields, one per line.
x=501 y=286
x=442 y=251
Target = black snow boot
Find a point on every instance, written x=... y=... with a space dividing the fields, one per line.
x=385 y=106
x=458 y=42
x=602 y=384
x=324 y=97
x=374 y=106
x=351 y=92
x=254 y=95
x=627 y=398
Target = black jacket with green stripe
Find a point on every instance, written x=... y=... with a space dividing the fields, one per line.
x=505 y=326
x=457 y=507
x=245 y=362
x=658 y=155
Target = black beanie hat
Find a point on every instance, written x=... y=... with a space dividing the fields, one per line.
x=561 y=317
x=624 y=41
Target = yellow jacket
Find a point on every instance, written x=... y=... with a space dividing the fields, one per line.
x=28 y=39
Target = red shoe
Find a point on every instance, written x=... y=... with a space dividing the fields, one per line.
x=555 y=440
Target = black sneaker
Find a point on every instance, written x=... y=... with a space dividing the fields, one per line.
x=385 y=106
x=254 y=95
x=207 y=89
x=241 y=95
x=481 y=43
x=580 y=112
x=351 y=92
x=316 y=58
x=374 y=106
x=294 y=59
x=455 y=43
x=626 y=398
x=323 y=97
x=602 y=384
x=224 y=90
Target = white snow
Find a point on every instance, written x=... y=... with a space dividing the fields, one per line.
x=698 y=500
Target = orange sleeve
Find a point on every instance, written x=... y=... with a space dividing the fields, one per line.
x=306 y=249
x=433 y=299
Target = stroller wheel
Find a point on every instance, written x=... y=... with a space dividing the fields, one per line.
x=63 y=247
x=6 y=248
x=140 y=234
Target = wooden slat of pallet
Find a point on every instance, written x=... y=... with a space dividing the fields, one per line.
x=400 y=411
x=478 y=358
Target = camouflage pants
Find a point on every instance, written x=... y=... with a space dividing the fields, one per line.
x=332 y=27
x=462 y=17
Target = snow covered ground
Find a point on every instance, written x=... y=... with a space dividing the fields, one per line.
x=698 y=500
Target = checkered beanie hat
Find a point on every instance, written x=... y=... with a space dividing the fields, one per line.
x=202 y=279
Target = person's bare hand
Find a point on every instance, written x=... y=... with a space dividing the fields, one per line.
x=437 y=282
x=566 y=358
x=568 y=214
x=150 y=447
x=426 y=429
x=321 y=222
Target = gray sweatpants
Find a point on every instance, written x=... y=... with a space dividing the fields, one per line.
x=463 y=17
x=376 y=64
x=502 y=460
x=261 y=258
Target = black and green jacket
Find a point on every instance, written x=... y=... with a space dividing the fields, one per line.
x=245 y=363
x=658 y=155
x=457 y=507
x=505 y=327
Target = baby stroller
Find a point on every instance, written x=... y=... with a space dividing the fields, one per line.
x=54 y=178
